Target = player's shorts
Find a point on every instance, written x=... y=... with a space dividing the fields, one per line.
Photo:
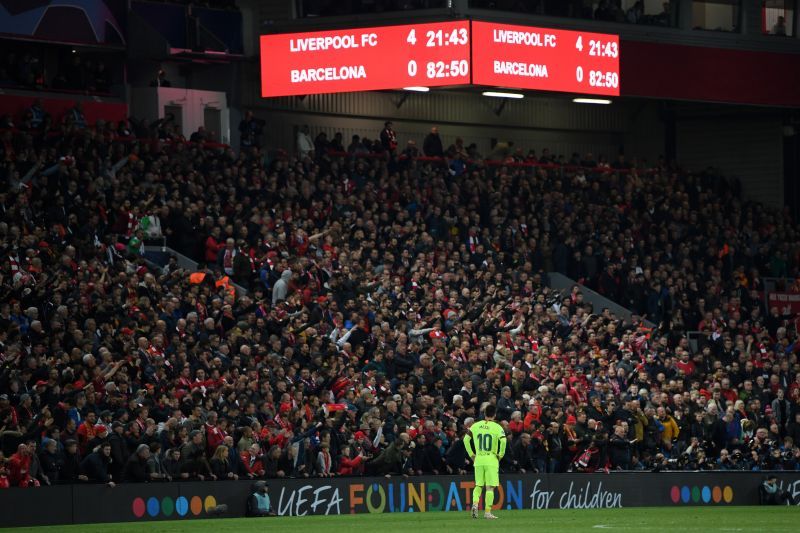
x=487 y=475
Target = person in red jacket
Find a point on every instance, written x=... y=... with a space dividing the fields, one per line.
x=534 y=414
x=215 y=432
x=251 y=460
x=86 y=431
x=515 y=424
x=213 y=246
x=4 y=483
x=350 y=467
x=19 y=466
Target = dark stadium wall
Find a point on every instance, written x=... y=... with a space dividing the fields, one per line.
x=297 y=497
x=747 y=147
x=680 y=72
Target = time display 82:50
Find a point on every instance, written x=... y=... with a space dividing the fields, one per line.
x=598 y=78
x=441 y=69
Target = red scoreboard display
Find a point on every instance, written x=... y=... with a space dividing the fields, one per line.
x=365 y=59
x=439 y=54
x=523 y=57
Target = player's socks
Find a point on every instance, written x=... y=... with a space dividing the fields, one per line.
x=476 y=496
x=488 y=502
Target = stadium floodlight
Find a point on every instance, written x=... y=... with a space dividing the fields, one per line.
x=417 y=89
x=496 y=94
x=597 y=101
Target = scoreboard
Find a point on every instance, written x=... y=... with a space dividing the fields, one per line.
x=365 y=59
x=543 y=59
x=439 y=54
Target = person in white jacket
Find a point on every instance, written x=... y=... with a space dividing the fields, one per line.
x=281 y=288
x=305 y=144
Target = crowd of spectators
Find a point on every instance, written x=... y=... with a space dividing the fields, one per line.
x=26 y=66
x=389 y=298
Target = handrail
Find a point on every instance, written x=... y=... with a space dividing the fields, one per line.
x=491 y=162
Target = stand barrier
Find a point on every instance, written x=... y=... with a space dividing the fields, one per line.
x=79 y=504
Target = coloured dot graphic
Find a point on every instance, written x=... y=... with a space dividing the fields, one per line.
x=182 y=506
x=168 y=506
x=700 y=494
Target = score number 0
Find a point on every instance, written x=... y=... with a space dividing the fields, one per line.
x=412 y=40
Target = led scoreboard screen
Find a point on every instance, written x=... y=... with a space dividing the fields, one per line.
x=523 y=57
x=439 y=54
x=365 y=59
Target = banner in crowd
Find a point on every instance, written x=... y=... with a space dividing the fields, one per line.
x=788 y=303
x=335 y=496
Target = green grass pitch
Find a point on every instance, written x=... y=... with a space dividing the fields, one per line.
x=672 y=519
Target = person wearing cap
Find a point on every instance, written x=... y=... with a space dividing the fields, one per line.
x=120 y=451
x=70 y=470
x=258 y=503
x=570 y=439
x=50 y=461
x=100 y=436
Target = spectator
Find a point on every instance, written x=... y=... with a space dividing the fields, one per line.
x=71 y=467
x=50 y=461
x=356 y=146
x=432 y=146
x=193 y=458
x=350 y=466
x=619 y=449
x=136 y=466
x=780 y=27
x=220 y=465
x=305 y=146
x=95 y=466
x=75 y=116
x=324 y=461
x=253 y=462
x=161 y=79
x=281 y=288
x=19 y=468
x=250 y=131
x=388 y=138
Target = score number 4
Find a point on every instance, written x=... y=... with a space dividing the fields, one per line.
x=458 y=36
